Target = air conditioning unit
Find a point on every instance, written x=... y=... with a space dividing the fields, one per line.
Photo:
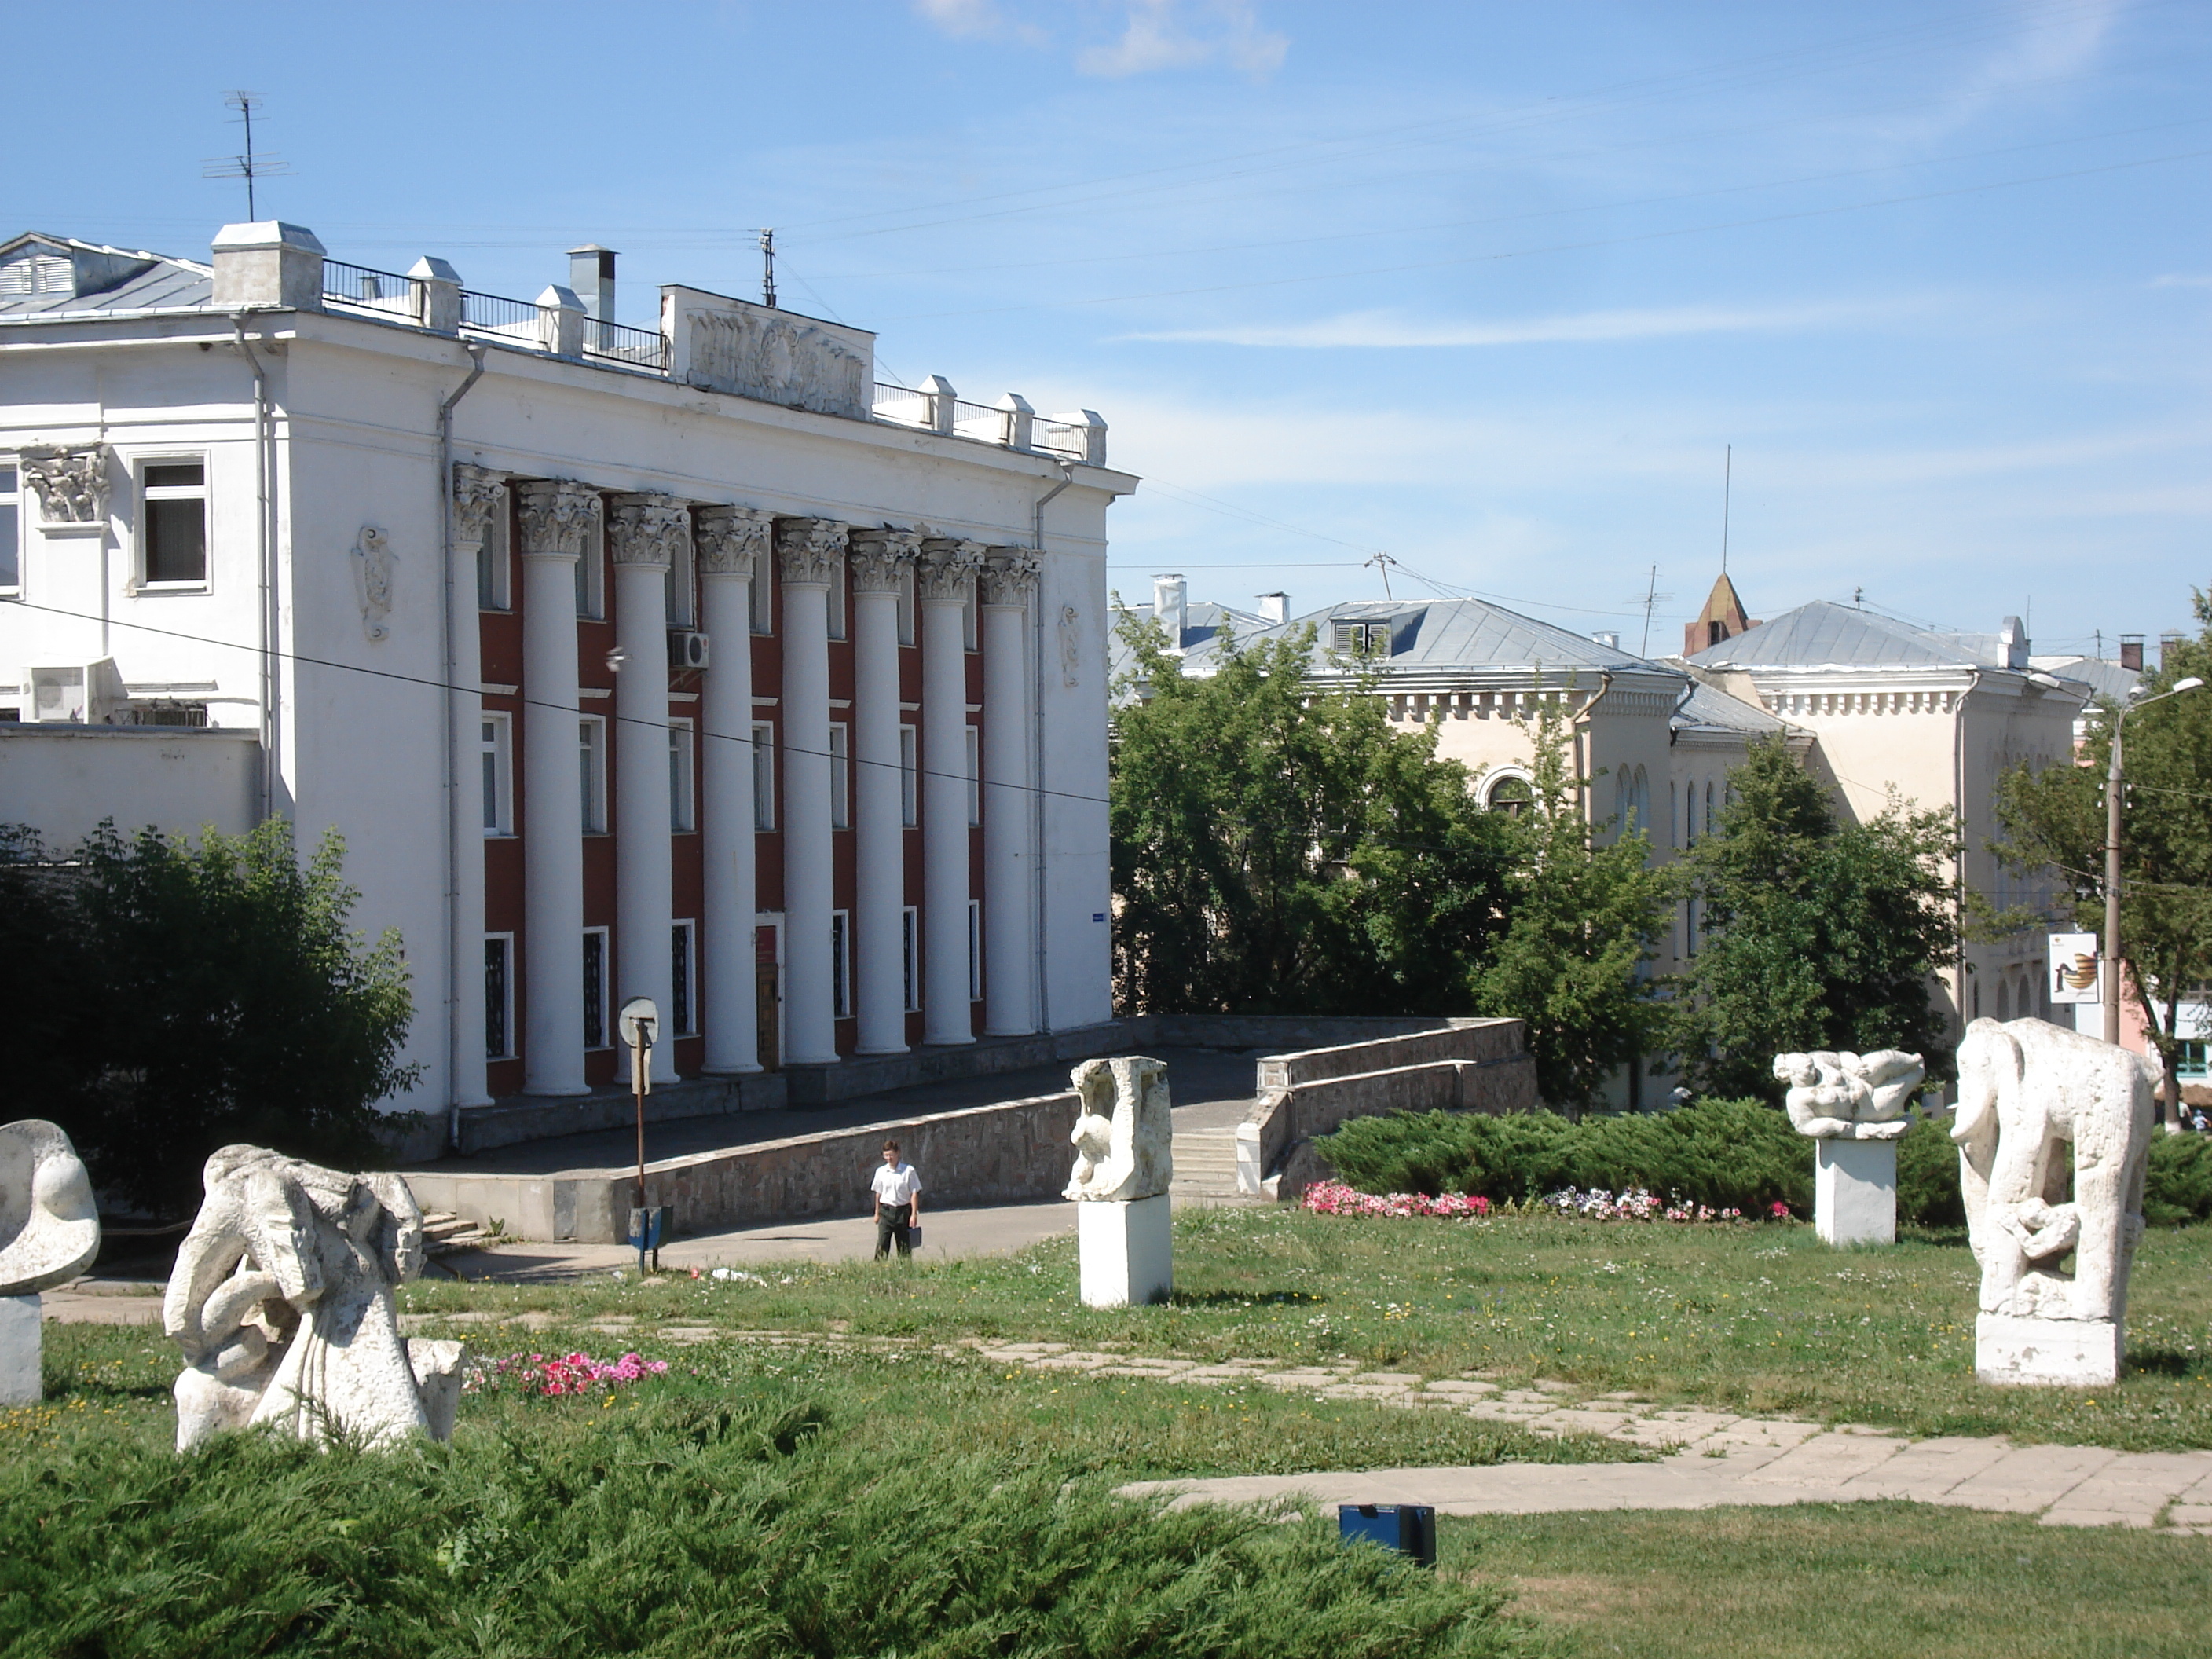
x=82 y=694
x=686 y=649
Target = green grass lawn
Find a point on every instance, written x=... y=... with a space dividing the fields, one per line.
x=1858 y=1581
x=1756 y=1318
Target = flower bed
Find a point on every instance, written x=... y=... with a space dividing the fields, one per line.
x=559 y=1374
x=1336 y=1198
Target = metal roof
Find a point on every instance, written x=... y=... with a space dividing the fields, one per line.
x=2106 y=680
x=1447 y=634
x=1824 y=634
x=1707 y=709
x=100 y=278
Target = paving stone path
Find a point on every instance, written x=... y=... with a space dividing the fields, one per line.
x=1709 y=1458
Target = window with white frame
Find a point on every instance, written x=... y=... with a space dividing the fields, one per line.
x=974 y=762
x=762 y=601
x=11 y=529
x=683 y=975
x=499 y=996
x=173 y=533
x=493 y=593
x=682 y=776
x=497 y=741
x=596 y=1028
x=910 y=955
x=592 y=758
x=841 y=776
x=910 y=803
x=763 y=776
x=841 y=964
x=974 y=950
x=906 y=604
x=592 y=573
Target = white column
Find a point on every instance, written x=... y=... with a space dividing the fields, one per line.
x=559 y=523
x=808 y=551
x=942 y=579
x=1009 y=580
x=644 y=532
x=476 y=496
x=879 y=560
x=731 y=541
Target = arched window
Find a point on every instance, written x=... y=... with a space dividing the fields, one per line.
x=2004 y=1001
x=1510 y=794
x=1708 y=809
x=1640 y=797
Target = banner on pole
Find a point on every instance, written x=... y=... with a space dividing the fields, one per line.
x=2076 y=969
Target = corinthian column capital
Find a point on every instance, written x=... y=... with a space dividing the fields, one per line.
x=476 y=493
x=732 y=539
x=1008 y=577
x=946 y=568
x=558 y=517
x=807 y=550
x=878 y=558
x=649 y=528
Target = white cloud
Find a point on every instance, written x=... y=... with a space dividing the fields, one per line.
x=1379 y=328
x=1178 y=35
x=2056 y=44
x=977 y=20
x=2181 y=279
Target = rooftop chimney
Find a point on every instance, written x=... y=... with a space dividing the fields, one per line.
x=2131 y=653
x=2012 y=641
x=1274 y=608
x=2167 y=645
x=1172 y=607
x=1608 y=638
x=268 y=264
x=592 y=274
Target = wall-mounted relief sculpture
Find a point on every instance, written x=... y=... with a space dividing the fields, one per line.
x=372 y=579
x=1124 y=1139
x=1853 y=1106
x=729 y=345
x=1071 y=646
x=71 y=482
x=49 y=1234
x=2053 y=1130
x=283 y=1303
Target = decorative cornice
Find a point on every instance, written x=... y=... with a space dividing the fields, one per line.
x=558 y=517
x=732 y=539
x=1926 y=700
x=807 y=550
x=649 y=528
x=477 y=492
x=1008 y=577
x=946 y=568
x=72 y=483
x=878 y=558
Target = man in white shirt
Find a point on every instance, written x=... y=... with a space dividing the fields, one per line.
x=898 y=1203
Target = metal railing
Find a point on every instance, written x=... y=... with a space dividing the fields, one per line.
x=385 y=292
x=1060 y=437
x=901 y=403
x=619 y=342
x=492 y=314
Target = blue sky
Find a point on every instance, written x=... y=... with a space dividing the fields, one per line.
x=1489 y=286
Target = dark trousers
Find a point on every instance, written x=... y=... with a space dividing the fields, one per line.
x=892 y=1221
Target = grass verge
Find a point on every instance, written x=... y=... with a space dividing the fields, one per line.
x=1857 y=1581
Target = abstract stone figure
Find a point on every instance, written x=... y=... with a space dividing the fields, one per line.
x=1125 y=1134
x=2028 y=1091
x=1849 y=1097
x=281 y=1301
x=49 y=1234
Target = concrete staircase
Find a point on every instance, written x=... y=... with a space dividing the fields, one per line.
x=443 y=1230
x=1206 y=1167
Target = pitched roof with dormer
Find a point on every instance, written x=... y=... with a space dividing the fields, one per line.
x=43 y=276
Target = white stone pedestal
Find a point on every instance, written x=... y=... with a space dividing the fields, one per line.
x=1126 y=1248
x=20 y=1344
x=2060 y=1353
x=1855 y=1191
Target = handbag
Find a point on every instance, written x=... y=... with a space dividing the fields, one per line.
x=914 y=1237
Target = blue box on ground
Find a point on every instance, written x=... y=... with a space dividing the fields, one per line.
x=1409 y=1529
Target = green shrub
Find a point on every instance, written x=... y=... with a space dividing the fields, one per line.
x=696 y=1527
x=1927 y=1192
x=1728 y=1153
x=2178 y=1185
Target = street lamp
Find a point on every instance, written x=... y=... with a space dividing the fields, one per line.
x=2112 y=790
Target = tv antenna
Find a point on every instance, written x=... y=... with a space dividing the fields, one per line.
x=1383 y=562
x=768 y=268
x=1728 y=490
x=248 y=167
x=1652 y=596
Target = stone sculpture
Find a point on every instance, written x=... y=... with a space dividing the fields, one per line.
x=49 y=1234
x=1125 y=1133
x=281 y=1301
x=1124 y=1139
x=1853 y=1106
x=2029 y=1092
x=1850 y=1096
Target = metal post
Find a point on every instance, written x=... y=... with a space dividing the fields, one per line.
x=2111 y=982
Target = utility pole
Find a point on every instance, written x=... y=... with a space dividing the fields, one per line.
x=1727 y=491
x=1383 y=562
x=1651 y=599
x=768 y=268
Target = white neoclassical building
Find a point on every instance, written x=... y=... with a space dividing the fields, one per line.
x=688 y=663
